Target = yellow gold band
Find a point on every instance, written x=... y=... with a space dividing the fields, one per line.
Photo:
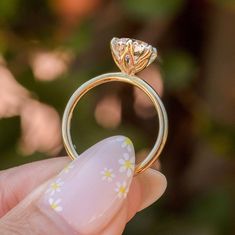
x=118 y=77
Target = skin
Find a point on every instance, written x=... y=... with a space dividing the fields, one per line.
x=21 y=187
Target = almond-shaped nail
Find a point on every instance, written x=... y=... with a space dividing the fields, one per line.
x=90 y=190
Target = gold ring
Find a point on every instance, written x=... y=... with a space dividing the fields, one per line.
x=131 y=56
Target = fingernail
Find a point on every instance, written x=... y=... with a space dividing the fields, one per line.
x=91 y=189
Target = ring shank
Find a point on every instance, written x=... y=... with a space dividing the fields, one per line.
x=120 y=77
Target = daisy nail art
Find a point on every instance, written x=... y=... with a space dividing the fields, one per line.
x=125 y=143
x=68 y=168
x=55 y=204
x=107 y=174
x=90 y=190
x=121 y=189
x=127 y=164
x=55 y=186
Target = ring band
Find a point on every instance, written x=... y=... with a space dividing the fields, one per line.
x=126 y=78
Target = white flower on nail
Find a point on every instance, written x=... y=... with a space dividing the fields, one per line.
x=55 y=186
x=127 y=164
x=54 y=204
x=107 y=174
x=68 y=168
x=121 y=189
x=125 y=143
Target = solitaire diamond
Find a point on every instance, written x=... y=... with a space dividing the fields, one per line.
x=132 y=55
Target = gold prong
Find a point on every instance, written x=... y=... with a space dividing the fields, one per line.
x=131 y=55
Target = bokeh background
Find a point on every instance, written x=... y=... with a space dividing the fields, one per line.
x=48 y=48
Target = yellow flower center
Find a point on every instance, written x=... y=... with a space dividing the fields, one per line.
x=122 y=189
x=54 y=205
x=66 y=168
x=55 y=186
x=108 y=174
x=128 y=141
x=128 y=164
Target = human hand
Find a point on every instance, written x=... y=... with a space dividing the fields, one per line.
x=94 y=194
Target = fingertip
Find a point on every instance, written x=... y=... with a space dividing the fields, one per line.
x=152 y=185
x=146 y=188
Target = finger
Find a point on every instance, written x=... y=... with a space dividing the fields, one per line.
x=16 y=183
x=145 y=189
x=118 y=223
x=153 y=184
x=83 y=199
x=30 y=218
x=129 y=209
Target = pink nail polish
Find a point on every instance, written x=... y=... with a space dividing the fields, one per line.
x=90 y=190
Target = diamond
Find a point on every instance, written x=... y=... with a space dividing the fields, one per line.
x=132 y=55
x=139 y=47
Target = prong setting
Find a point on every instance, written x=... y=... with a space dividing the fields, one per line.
x=131 y=55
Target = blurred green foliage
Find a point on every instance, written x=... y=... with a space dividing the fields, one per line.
x=179 y=70
x=152 y=8
x=8 y=10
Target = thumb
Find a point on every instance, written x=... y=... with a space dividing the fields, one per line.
x=83 y=199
